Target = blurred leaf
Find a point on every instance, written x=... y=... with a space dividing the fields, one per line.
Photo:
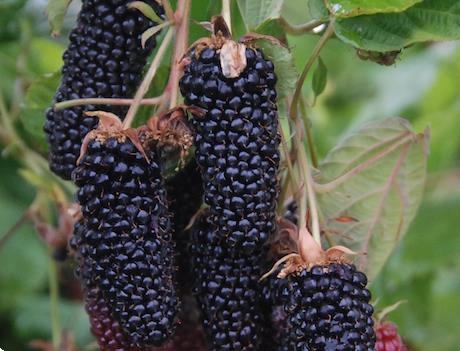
x=318 y=9
x=56 y=10
x=285 y=69
x=32 y=318
x=38 y=98
x=9 y=18
x=375 y=176
x=256 y=12
x=319 y=78
x=430 y=20
x=426 y=272
x=45 y=56
x=351 y=8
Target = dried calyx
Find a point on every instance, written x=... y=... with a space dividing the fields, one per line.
x=167 y=129
x=305 y=252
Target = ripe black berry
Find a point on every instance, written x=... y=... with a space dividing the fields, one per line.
x=236 y=145
x=125 y=236
x=185 y=195
x=104 y=59
x=327 y=309
x=227 y=291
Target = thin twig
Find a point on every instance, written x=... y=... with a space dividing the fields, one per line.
x=310 y=192
x=299 y=29
x=298 y=89
x=104 y=101
x=143 y=88
x=169 y=12
x=14 y=228
x=180 y=47
x=309 y=132
x=227 y=14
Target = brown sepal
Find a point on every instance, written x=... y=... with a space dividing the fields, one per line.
x=109 y=126
x=171 y=128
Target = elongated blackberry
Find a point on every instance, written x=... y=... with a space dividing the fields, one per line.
x=327 y=309
x=227 y=291
x=104 y=59
x=388 y=338
x=127 y=235
x=236 y=140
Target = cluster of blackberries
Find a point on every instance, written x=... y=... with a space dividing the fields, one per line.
x=133 y=230
x=104 y=59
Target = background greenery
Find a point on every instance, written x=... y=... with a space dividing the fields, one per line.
x=422 y=86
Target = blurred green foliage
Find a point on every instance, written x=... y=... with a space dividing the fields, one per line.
x=422 y=86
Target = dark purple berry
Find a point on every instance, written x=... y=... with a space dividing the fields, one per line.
x=104 y=59
x=326 y=308
x=236 y=146
x=228 y=292
x=124 y=238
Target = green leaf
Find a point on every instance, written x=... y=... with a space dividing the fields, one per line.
x=38 y=99
x=272 y=28
x=146 y=10
x=56 y=10
x=430 y=20
x=318 y=9
x=285 y=69
x=370 y=187
x=255 y=13
x=319 y=78
x=351 y=8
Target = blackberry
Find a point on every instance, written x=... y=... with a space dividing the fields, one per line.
x=328 y=309
x=107 y=331
x=185 y=195
x=104 y=59
x=125 y=235
x=227 y=291
x=236 y=142
x=388 y=338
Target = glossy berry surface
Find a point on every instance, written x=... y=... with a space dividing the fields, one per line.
x=236 y=146
x=125 y=238
x=228 y=293
x=185 y=195
x=105 y=328
x=327 y=309
x=104 y=59
x=388 y=338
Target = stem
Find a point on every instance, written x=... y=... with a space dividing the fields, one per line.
x=143 y=88
x=298 y=89
x=227 y=14
x=308 y=130
x=309 y=192
x=180 y=47
x=104 y=101
x=14 y=228
x=168 y=10
x=54 y=303
x=299 y=29
x=291 y=176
